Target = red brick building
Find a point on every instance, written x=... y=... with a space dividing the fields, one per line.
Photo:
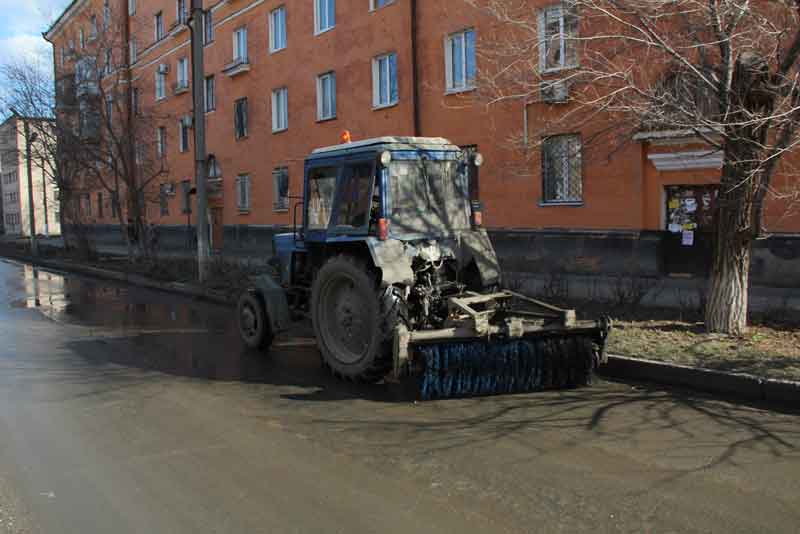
x=286 y=77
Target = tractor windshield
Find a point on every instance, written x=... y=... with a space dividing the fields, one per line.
x=429 y=194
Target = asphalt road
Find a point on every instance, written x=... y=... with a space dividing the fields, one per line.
x=125 y=410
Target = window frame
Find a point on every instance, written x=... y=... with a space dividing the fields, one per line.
x=272 y=30
x=206 y=100
x=158 y=26
x=280 y=109
x=208 y=27
x=467 y=84
x=161 y=83
x=567 y=169
x=318 y=29
x=131 y=7
x=182 y=74
x=321 y=96
x=277 y=205
x=375 y=5
x=161 y=142
x=240 y=124
x=243 y=203
x=561 y=10
x=181 y=11
x=377 y=70
x=183 y=135
x=238 y=57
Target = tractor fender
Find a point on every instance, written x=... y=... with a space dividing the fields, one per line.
x=391 y=258
x=275 y=304
x=476 y=246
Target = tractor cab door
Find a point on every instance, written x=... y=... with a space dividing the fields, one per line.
x=339 y=200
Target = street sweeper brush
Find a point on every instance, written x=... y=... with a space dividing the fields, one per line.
x=494 y=349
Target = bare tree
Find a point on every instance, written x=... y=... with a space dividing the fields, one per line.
x=723 y=71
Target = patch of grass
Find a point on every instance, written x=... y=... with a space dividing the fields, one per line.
x=769 y=350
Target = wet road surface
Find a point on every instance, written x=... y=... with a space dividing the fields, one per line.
x=126 y=410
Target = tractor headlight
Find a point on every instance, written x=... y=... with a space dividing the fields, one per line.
x=477 y=159
x=386 y=158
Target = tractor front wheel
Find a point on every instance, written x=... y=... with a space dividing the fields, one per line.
x=253 y=321
x=349 y=320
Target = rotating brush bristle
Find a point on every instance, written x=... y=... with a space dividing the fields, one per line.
x=477 y=368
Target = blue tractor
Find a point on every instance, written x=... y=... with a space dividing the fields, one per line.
x=398 y=277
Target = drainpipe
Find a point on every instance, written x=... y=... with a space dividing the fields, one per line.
x=414 y=68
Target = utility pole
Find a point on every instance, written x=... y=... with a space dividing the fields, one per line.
x=44 y=202
x=198 y=98
x=31 y=219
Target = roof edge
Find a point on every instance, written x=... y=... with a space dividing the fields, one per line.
x=54 y=28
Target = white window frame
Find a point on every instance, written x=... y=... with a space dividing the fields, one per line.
x=183 y=127
x=161 y=83
x=238 y=56
x=131 y=7
x=209 y=104
x=108 y=62
x=559 y=11
x=321 y=96
x=93 y=27
x=133 y=51
x=158 y=25
x=280 y=109
x=208 y=27
x=183 y=73
x=245 y=118
x=277 y=29
x=322 y=7
x=465 y=84
x=161 y=141
x=181 y=11
x=277 y=205
x=373 y=4
x=106 y=15
x=82 y=38
x=243 y=192
x=377 y=72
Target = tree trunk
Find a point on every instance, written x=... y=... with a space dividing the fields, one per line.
x=726 y=302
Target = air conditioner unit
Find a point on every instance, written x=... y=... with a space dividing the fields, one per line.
x=163 y=69
x=554 y=92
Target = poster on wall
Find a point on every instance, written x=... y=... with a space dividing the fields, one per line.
x=690 y=208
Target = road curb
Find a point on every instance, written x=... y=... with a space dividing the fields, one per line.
x=738 y=385
x=139 y=280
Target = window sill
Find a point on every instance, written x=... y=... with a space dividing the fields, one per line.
x=557 y=203
x=554 y=70
x=384 y=106
x=244 y=211
x=209 y=111
x=242 y=137
x=238 y=66
x=326 y=30
x=180 y=90
x=375 y=8
x=276 y=50
x=280 y=210
x=159 y=99
x=280 y=130
x=459 y=90
x=326 y=119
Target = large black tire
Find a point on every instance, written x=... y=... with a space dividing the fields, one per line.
x=354 y=320
x=254 y=327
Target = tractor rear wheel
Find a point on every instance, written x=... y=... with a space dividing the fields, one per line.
x=353 y=324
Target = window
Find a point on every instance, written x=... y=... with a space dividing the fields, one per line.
x=277 y=29
x=63 y=55
x=87 y=201
x=82 y=39
x=163 y=199
x=133 y=50
x=326 y=96
x=161 y=141
x=183 y=130
x=460 y=60
x=243 y=192
x=561 y=169
x=100 y=204
x=354 y=204
x=208 y=27
x=321 y=188
x=114 y=204
x=161 y=82
x=209 y=97
x=135 y=100
x=93 y=27
x=183 y=73
x=108 y=63
x=280 y=182
x=109 y=109
x=280 y=109
x=558 y=29
x=186 y=196
x=106 y=15
x=131 y=7
x=377 y=4
x=159 y=25
x=384 y=80
x=181 y=13
x=324 y=15
x=240 y=45
x=240 y=118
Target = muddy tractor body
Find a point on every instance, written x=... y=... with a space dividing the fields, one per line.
x=391 y=265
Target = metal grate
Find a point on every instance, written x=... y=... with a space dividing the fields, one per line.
x=561 y=169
